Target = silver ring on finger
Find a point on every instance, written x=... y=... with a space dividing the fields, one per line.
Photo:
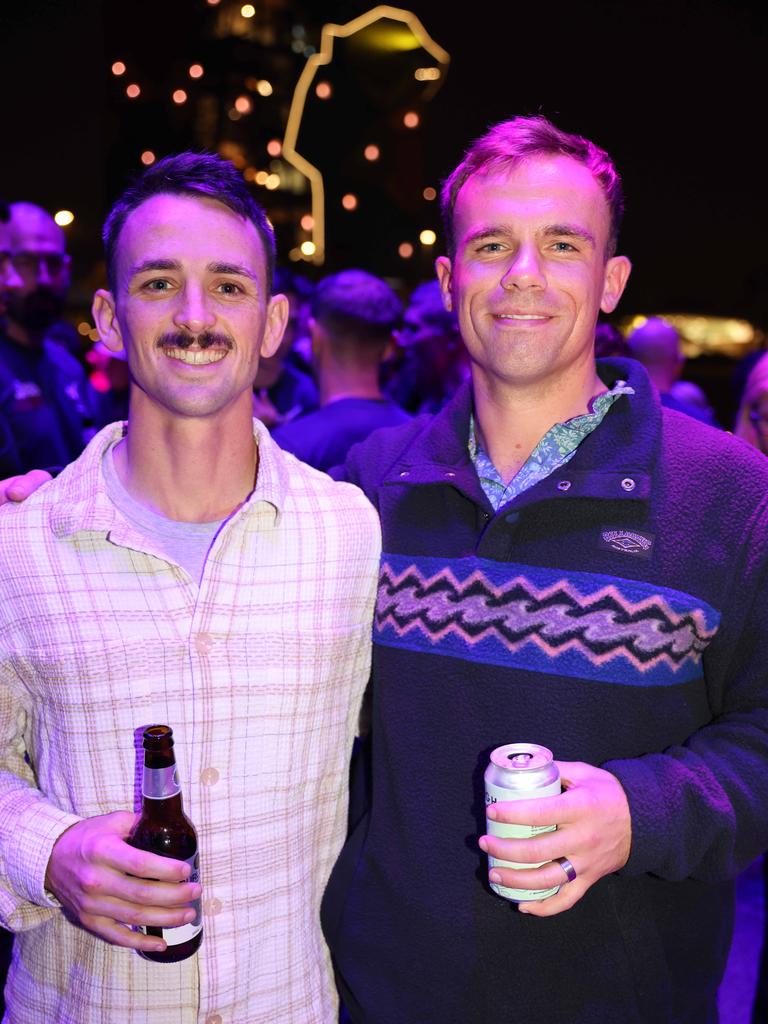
x=568 y=868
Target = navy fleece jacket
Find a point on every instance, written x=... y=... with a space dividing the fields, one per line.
x=616 y=612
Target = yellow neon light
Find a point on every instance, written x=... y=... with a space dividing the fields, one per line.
x=329 y=33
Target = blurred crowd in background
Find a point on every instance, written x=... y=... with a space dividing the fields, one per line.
x=356 y=356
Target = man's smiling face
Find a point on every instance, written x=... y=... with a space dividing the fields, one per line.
x=191 y=307
x=529 y=274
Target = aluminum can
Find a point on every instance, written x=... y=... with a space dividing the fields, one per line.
x=519 y=771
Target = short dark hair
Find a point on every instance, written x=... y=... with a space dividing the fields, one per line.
x=508 y=143
x=189 y=174
x=354 y=302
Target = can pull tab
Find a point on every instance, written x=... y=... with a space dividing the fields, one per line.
x=520 y=760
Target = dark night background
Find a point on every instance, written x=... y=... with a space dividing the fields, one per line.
x=674 y=90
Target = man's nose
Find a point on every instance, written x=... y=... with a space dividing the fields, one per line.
x=525 y=270
x=194 y=312
x=44 y=275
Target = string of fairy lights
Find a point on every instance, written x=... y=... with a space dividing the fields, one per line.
x=283 y=168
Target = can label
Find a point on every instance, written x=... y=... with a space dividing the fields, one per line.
x=160 y=783
x=530 y=775
x=184 y=932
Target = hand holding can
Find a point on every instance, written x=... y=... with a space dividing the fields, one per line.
x=519 y=771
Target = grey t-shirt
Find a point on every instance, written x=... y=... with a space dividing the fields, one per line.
x=185 y=544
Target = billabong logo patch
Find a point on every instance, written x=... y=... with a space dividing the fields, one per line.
x=628 y=542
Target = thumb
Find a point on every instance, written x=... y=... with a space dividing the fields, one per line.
x=574 y=772
x=121 y=822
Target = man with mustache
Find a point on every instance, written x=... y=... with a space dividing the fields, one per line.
x=185 y=571
x=43 y=388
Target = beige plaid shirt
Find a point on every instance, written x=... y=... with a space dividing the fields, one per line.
x=260 y=672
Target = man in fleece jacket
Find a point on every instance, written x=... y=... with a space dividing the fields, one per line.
x=566 y=563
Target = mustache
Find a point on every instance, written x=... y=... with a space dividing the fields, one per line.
x=180 y=339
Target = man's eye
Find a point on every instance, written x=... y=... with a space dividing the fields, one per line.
x=230 y=288
x=157 y=285
x=565 y=247
x=491 y=247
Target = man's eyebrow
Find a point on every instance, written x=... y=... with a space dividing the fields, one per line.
x=156 y=264
x=549 y=231
x=481 y=234
x=569 y=231
x=231 y=268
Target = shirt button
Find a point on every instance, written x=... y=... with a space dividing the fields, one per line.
x=405 y=472
x=628 y=483
x=212 y=906
x=563 y=485
x=209 y=777
x=203 y=643
x=214 y=1018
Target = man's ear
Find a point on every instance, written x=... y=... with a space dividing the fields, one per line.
x=617 y=270
x=445 y=278
x=105 y=317
x=274 y=328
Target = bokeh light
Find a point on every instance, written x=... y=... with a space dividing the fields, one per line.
x=371 y=152
x=405 y=250
x=179 y=97
x=323 y=90
x=196 y=71
x=243 y=105
x=411 y=119
x=148 y=157
x=307 y=222
x=263 y=87
x=429 y=193
x=247 y=10
x=118 y=68
x=274 y=147
x=308 y=248
x=427 y=237
x=132 y=91
x=349 y=201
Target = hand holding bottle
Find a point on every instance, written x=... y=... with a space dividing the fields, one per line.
x=108 y=885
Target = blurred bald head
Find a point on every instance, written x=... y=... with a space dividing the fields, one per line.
x=656 y=344
x=31 y=225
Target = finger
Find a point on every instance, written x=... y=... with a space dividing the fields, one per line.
x=137 y=914
x=540 y=813
x=97 y=882
x=568 y=895
x=119 y=935
x=112 y=851
x=574 y=772
x=545 y=847
x=5 y=487
x=20 y=487
x=147 y=893
x=547 y=876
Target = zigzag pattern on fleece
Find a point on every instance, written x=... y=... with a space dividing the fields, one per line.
x=583 y=624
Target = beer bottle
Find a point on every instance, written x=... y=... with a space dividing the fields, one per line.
x=164 y=829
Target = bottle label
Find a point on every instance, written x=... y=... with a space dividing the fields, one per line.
x=185 y=932
x=160 y=783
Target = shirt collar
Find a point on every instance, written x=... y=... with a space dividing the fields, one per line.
x=84 y=505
